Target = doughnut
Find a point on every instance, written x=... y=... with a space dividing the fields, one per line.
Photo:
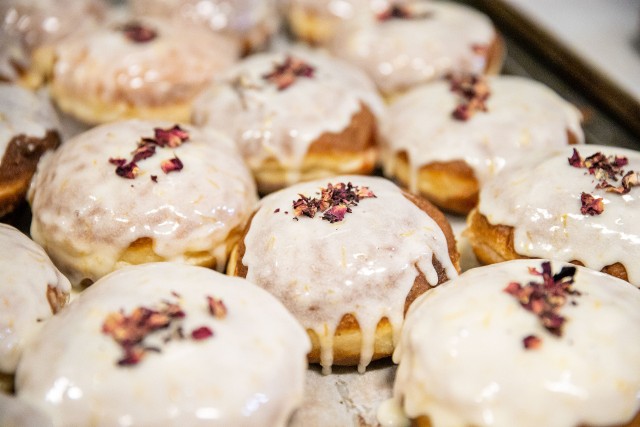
x=475 y=128
x=167 y=344
x=147 y=68
x=575 y=205
x=138 y=191
x=29 y=27
x=252 y=22
x=405 y=45
x=523 y=343
x=28 y=128
x=31 y=291
x=347 y=258
x=297 y=115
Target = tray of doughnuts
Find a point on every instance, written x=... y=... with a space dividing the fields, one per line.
x=301 y=213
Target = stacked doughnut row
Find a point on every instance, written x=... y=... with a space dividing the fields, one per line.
x=217 y=203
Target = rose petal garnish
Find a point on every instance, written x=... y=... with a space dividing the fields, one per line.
x=201 y=333
x=473 y=92
x=172 y=137
x=546 y=299
x=217 y=307
x=138 y=33
x=334 y=202
x=171 y=165
x=591 y=205
x=285 y=74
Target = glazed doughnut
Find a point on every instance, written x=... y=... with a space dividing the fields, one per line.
x=139 y=191
x=523 y=343
x=297 y=115
x=167 y=344
x=348 y=273
x=31 y=291
x=29 y=25
x=417 y=42
x=544 y=209
x=28 y=128
x=252 y=22
x=147 y=68
x=467 y=140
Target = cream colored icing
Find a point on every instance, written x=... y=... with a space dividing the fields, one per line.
x=267 y=122
x=13 y=57
x=541 y=200
x=172 y=68
x=462 y=361
x=364 y=265
x=85 y=215
x=39 y=22
x=16 y=413
x=26 y=273
x=23 y=112
x=238 y=17
x=249 y=373
x=523 y=116
x=401 y=53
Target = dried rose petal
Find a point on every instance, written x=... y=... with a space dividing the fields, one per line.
x=217 y=308
x=132 y=356
x=591 y=205
x=201 y=333
x=144 y=151
x=285 y=74
x=128 y=171
x=171 y=165
x=172 y=137
x=335 y=213
x=118 y=161
x=473 y=92
x=398 y=11
x=154 y=178
x=138 y=33
x=531 y=342
x=547 y=298
x=575 y=160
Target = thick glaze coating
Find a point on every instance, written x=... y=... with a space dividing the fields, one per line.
x=541 y=201
x=250 y=372
x=463 y=363
x=252 y=21
x=522 y=116
x=283 y=124
x=401 y=53
x=101 y=75
x=86 y=216
x=365 y=264
x=23 y=112
x=31 y=291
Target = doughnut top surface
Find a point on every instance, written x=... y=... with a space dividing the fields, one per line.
x=364 y=264
x=522 y=115
x=23 y=112
x=541 y=199
x=463 y=360
x=248 y=372
x=269 y=120
x=29 y=279
x=441 y=37
x=86 y=215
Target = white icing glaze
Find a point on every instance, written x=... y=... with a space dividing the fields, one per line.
x=26 y=273
x=86 y=216
x=364 y=265
x=237 y=17
x=282 y=124
x=39 y=22
x=13 y=57
x=401 y=53
x=172 y=68
x=16 y=413
x=462 y=361
x=522 y=116
x=541 y=200
x=23 y=112
x=249 y=373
